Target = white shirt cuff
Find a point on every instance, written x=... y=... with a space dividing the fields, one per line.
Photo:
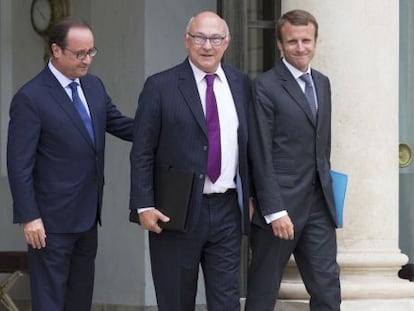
x=269 y=218
x=140 y=210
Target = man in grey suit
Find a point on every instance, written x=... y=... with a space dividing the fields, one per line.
x=174 y=126
x=290 y=139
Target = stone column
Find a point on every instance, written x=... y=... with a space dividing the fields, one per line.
x=358 y=49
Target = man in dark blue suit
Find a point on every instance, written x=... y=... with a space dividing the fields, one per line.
x=55 y=158
x=290 y=137
x=172 y=129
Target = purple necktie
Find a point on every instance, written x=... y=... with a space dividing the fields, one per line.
x=213 y=127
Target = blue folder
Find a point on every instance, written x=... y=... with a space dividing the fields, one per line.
x=339 y=183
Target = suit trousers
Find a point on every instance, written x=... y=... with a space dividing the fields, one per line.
x=214 y=243
x=314 y=248
x=62 y=273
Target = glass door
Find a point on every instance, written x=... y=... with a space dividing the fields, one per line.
x=252 y=50
x=406 y=129
x=252 y=26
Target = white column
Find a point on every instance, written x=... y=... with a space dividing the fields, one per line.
x=358 y=49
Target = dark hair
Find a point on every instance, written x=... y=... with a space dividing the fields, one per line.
x=59 y=31
x=297 y=18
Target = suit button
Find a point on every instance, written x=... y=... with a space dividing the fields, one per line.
x=201 y=176
x=205 y=148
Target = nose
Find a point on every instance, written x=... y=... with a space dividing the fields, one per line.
x=87 y=59
x=300 y=46
x=207 y=44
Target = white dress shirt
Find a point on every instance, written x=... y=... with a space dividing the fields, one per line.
x=229 y=124
x=65 y=81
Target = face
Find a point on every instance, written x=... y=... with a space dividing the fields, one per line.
x=65 y=60
x=298 y=45
x=205 y=56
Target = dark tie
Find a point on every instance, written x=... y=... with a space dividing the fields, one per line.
x=309 y=93
x=82 y=110
x=213 y=126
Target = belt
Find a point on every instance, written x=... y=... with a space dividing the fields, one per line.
x=218 y=194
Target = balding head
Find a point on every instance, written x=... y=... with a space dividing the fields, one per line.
x=206 y=39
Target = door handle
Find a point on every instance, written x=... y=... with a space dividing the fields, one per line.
x=405 y=155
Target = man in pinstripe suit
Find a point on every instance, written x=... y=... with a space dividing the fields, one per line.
x=171 y=130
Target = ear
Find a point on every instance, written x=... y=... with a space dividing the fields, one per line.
x=226 y=42
x=56 y=50
x=279 y=45
x=186 y=37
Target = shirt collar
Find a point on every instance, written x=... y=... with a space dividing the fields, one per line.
x=63 y=80
x=199 y=74
x=295 y=72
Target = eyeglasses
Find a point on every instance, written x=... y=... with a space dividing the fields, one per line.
x=81 y=55
x=201 y=40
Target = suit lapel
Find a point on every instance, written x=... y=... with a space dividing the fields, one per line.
x=293 y=89
x=320 y=94
x=237 y=93
x=188 y=88
x=90 y=96
x=63 y=100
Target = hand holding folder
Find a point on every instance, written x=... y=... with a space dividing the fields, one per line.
x=172 y=195
x=339 y=184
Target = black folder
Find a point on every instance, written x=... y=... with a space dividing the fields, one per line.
x=172 y=195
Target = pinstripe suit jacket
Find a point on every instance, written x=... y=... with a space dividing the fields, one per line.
x=170 y=130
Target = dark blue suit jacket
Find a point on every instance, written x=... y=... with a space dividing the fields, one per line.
x=170 y=130
x=55 y=171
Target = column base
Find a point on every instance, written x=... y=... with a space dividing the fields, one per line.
x=353 y=305
x=369 y=281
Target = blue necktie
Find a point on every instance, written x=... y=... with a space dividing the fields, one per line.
x=82 y=110
x=310 y=94
x=213 y=126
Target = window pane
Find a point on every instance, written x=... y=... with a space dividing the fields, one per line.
x=262 y=50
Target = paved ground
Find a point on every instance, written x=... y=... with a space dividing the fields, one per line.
x=281 y=306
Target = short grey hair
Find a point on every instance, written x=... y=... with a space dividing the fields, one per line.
x=187 y=29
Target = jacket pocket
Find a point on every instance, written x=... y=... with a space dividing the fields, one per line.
x=287 y=181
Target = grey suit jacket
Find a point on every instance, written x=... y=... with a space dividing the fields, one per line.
x=288 y=148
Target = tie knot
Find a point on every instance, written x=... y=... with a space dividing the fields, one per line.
x=73 y=86
x=210 y=79
x=306 y=77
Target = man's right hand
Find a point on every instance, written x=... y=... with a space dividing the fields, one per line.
x=283 y=228
x=35 y=234
x=149 y=220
